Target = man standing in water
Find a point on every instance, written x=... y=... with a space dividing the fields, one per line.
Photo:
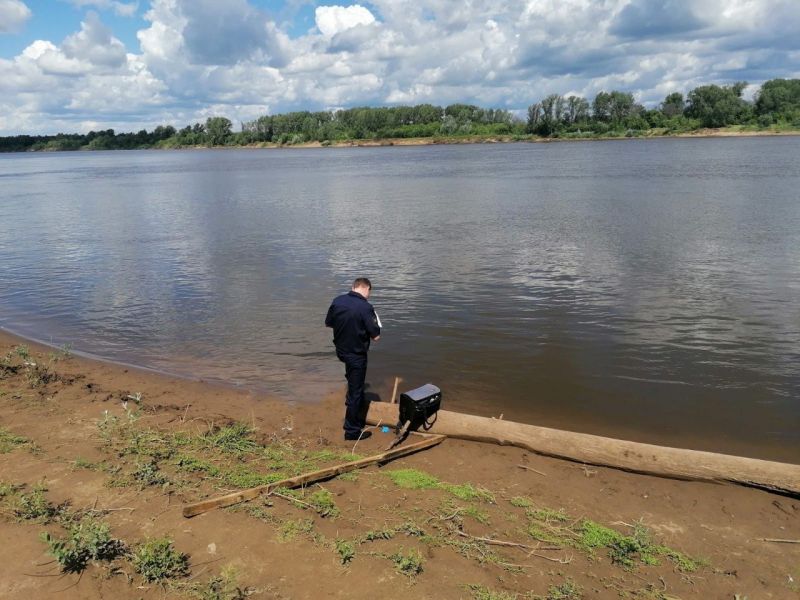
x=354 y=324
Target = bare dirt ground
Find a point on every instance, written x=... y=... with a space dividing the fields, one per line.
x=86 y=443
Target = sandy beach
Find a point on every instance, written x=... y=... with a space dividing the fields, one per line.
x=88 y=441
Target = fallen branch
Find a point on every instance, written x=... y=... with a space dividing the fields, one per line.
x=533 y=549
x=291 y=499
x=191 y=510
x=779 y=541
x=532 y=469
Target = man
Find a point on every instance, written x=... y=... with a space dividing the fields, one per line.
x=354 y=324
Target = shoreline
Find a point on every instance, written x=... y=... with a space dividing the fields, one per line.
x=85 y=434
x=574 y=422
x=704 y=133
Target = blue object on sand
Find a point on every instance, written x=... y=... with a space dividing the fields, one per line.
x=385 y=429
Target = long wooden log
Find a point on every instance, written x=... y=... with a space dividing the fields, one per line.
x=191 y=510
x=662 y=461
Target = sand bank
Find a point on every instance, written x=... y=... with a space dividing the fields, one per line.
x=129 y=447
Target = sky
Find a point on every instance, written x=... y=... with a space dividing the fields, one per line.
x=79 y=65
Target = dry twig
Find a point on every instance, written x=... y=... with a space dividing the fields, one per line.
x=532 y=469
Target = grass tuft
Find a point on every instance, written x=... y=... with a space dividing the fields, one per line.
x=224 y=586
x=408 y=563
x=289 y=530
x=521 y=502
x=481 y=592
x=9 y=441
x=412 y=479
x=234 y=439
x=157 y=560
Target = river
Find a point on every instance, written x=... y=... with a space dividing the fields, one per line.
x=646 y=289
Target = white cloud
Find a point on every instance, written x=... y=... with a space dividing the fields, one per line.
x=335 y=19
x=123 y=9
x=13 y=15
x=95 y=44
x=196 y=58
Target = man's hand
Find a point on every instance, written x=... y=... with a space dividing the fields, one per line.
x=376 y=338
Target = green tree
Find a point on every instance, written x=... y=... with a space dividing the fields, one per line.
x=779 y=99
x=218 y=130
x=673 y=105
x=718 y=106
x=613 y=107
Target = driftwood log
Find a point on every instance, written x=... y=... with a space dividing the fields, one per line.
x=197 y=508
x=661 y=461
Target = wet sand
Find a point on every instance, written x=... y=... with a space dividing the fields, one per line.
x=722 y=525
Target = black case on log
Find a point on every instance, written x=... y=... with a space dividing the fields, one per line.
x=419 y=405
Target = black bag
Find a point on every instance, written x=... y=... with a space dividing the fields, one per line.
x=419 y=406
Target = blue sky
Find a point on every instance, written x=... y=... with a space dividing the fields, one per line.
x=75 y=65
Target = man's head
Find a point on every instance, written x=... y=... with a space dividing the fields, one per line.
x=363 y=286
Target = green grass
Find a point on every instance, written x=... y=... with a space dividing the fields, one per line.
x=157 y=560
x=235 y=439
x=386 y=533
x=628 y=550
x=569 y=590
x=412 y=479
x=521 y=502
x=224 y=586
x=193 y=464
x=9 y=441
x=467 y=491
x=240 y=476
x=290 y=530
x=481 y=592
x=549 y=515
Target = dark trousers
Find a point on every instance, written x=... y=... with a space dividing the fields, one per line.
x=355 y=371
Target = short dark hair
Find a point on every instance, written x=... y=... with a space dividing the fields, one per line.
x=362 y=282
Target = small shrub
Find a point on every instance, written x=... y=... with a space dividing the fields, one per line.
x=86 y=540
x=35 y=507
x=569 y=590
x=157 y=560
x=148 y=473
x=409 y=564
x=39 y=374
x=346 y=551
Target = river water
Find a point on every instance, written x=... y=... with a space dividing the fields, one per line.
x=647 y=289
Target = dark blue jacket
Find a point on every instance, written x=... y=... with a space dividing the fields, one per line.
x=354 y=323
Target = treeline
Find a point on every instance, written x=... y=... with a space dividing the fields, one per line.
x=614 y=113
